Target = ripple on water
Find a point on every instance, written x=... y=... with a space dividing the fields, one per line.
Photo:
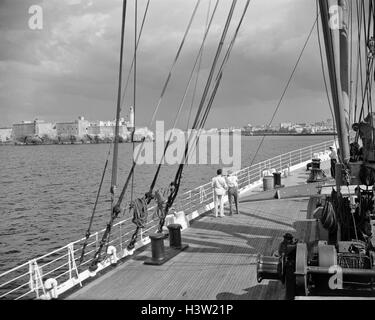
x=50 y=190
x=11 y=251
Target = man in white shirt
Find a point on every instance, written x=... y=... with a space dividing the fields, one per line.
x=232 y=183
x=219 y=187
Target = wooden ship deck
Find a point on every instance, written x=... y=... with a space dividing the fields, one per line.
x=220 y=262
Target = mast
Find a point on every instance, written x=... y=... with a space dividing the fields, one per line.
x=118 y=111
x=334 y=17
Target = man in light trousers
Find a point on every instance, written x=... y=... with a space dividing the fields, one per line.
x=219 y=187
x=232 y=183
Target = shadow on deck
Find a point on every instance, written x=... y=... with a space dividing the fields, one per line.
x=220 y=262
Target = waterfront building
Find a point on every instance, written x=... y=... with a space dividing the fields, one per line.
x=31 y=128
x=5 y=134
x=23 y=129
x=105 y=129
x=45 y=129
x=286 y=125
x=76 y=128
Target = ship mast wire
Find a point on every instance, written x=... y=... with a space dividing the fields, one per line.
x=120 y=199
x=177 y=179
x=223 y=64
x=350 y=63
x=357 y=66
x=175 y=61
x=359 y=57
x=134 y=90
x=113 y=214
x=122 y=102
x=198 y=70
x=178 y=176
x=217 y=81
x=286 y=88
x=115 y=151
x=213 y=66
x=88 y=232
x=197 y=61
x=132 y=64
x=116 y=209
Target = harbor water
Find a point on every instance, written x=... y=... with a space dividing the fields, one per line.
x=47 y=192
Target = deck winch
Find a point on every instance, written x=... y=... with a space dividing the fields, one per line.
x=320 y=268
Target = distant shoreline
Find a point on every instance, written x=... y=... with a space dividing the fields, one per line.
x=255 y=134
x=246 y=134
x=18 y=144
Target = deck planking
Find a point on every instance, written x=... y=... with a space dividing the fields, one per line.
x=220 y=263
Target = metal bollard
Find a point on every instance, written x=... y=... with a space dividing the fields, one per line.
x=277 y=179
x=157 y=246
x=175 y=235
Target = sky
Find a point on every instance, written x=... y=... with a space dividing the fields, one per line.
x=69 y=68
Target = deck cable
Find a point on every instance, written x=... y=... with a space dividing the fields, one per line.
x=158 y=104
x=113 y=180
x=174 y=186
x=132 y=63
x=178 y=176
x=286 y=88
x=198 y=70
x=197 y=60
x=116 y=208
x=88 y=232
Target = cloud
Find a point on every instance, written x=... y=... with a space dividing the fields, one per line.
x=71 y=66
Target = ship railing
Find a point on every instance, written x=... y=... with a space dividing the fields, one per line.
x=55 y=273
x=202 y=196
x=52 y=274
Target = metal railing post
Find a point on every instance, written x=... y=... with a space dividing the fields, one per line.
x=120 y=229
x=190 y=202
x=69 y=262
x=96 y=240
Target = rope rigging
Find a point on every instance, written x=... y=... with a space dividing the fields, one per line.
x=88 y=232
x=199 y=69
x=132 y=63
x=161 y=202
x=115 y=210
x=350 y=220
x=165 y=199
x=178 y=175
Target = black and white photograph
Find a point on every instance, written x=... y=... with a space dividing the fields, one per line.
x=184 y=156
